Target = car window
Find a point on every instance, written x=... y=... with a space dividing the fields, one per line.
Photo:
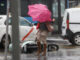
x=0 y=17
x=9 y=21
x=0 y=20
x=24 y=22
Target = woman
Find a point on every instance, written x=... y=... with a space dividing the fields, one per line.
x=41 y=37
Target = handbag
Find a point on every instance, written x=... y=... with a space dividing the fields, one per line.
x=49 y=26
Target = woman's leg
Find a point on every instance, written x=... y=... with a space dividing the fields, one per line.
x=38 y=42
x=44 y=36
x=44 y=50
x=39 y=47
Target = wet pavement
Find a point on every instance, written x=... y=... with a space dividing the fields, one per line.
x=66 y=52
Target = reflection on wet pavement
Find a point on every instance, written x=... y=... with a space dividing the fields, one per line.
x=66 y=52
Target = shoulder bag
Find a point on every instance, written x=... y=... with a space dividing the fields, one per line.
x=49 y=26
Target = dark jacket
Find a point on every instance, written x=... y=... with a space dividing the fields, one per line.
x=43 y=26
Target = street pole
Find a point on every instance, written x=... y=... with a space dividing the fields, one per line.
x=15 y=13
x=59 y=16
x=6 y=40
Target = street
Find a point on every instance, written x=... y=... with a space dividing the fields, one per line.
x=22 y=20
x=66 y=52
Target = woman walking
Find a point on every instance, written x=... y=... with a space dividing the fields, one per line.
x=41 y=37
x=41 y=13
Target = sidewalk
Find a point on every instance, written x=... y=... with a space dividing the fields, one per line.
x=57 y=40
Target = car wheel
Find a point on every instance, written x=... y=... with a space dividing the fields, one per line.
x=53 y=47
x=3 y=41
x=71 y=41
x=76 y=38
x=24 y=49
x=27 y=50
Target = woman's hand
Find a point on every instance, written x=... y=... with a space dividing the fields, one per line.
x=53 y=20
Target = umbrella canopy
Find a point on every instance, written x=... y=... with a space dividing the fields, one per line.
x=39 y=12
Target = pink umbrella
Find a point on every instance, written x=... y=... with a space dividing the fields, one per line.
x=39 y=12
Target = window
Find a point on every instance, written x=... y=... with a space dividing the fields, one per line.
x=62 y=7
x=23 y=22
x=73 y=3
x=3 y=7
x=9 y=21
x=0 y=17
x=55 y=8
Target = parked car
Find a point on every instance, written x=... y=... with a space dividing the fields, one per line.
x=25 y=28
x=71 y=25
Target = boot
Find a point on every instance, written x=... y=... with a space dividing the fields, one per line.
x=44 y=51
x=39 y=48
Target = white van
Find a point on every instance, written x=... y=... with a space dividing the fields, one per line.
x=71 y=25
